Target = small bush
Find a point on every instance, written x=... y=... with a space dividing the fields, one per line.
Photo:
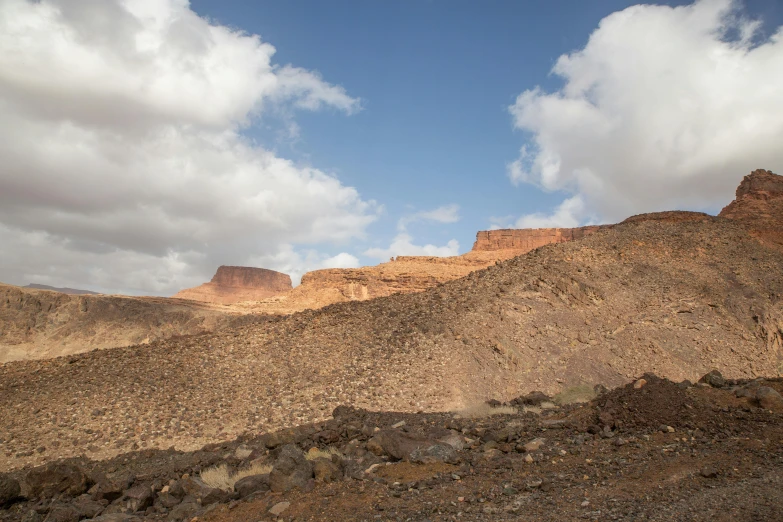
x=315 y=453
x=219 y=477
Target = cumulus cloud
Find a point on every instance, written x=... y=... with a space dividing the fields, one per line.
x=402 y=244
x=663 y=108
x=125 y=161
x=568 y=214
x=444 y=214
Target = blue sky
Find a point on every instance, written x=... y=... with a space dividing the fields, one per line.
x=147 y=142
x=436 y=79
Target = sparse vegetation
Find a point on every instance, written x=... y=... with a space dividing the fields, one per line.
x=580 y=393
x=221 y=478
x=316 y=453
x=478 y=411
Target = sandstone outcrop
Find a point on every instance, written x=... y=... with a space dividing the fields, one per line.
x=235 y=284
x=524 y=240
x=759 y=206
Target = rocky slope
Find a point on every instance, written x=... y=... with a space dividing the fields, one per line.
x=652 y=450
x=759 y=206
x=234 y=284
x=38 y=324
x=674 y=297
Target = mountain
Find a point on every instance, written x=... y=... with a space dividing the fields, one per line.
x=70 y=291
x=677 y=294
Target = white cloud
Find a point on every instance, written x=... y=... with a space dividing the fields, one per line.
x=663 y=108
x=296 y=263
x=402 y=245
x=569 y=214
x=125 y=165
x=444 y=214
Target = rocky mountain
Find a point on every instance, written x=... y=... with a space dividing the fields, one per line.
x=71 y=291
x=38 y=324
x=759 y=206
x=677 y=295
x=234 y=284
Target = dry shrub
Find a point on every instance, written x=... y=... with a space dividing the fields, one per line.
x=219 y=477
x=315 y=453
x=483 y=409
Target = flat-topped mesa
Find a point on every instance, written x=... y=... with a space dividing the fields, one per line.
x=251 y=277
x=524 y=240
x=235 y=284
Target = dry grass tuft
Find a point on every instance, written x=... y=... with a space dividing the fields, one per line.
x=315 y=453
x=478 y=411
x=220 y=478
x=575 y=394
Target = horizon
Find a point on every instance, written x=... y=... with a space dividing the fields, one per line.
x=146 y=145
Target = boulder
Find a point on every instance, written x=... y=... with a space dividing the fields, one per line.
x=326 y=470
x=395 y=444
x=769 y=399
x=138 y=498
x=207 y=495
x=63 y=514
x=290 y=470
x=9 y=490
x=110 y=488
x=714 y=379
x=87 y=507
x=56 y=479
x=249 y=485
x=532 y=399
x=435 y=453
x=167 y=500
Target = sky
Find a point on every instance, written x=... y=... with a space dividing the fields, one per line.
x=146 y=142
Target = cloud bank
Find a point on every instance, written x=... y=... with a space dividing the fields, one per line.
x=663 y=108
x=126 y=166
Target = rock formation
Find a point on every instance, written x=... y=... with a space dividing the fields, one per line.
x=759 y=206
x=526 y=239
x=234 y=284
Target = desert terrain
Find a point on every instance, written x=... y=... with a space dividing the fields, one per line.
x=555 y=384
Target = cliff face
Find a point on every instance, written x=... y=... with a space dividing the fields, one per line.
x=759 y=206
x=235 y=284
x=527 y=239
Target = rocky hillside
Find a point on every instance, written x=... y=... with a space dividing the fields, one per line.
x=38 y=324
x=674 y=297
x=72 y=291
x=234 y=284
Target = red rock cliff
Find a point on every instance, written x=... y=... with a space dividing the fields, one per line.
x=234 y=284
x=526 y=239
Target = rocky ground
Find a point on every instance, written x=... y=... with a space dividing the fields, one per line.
x=651 y=450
